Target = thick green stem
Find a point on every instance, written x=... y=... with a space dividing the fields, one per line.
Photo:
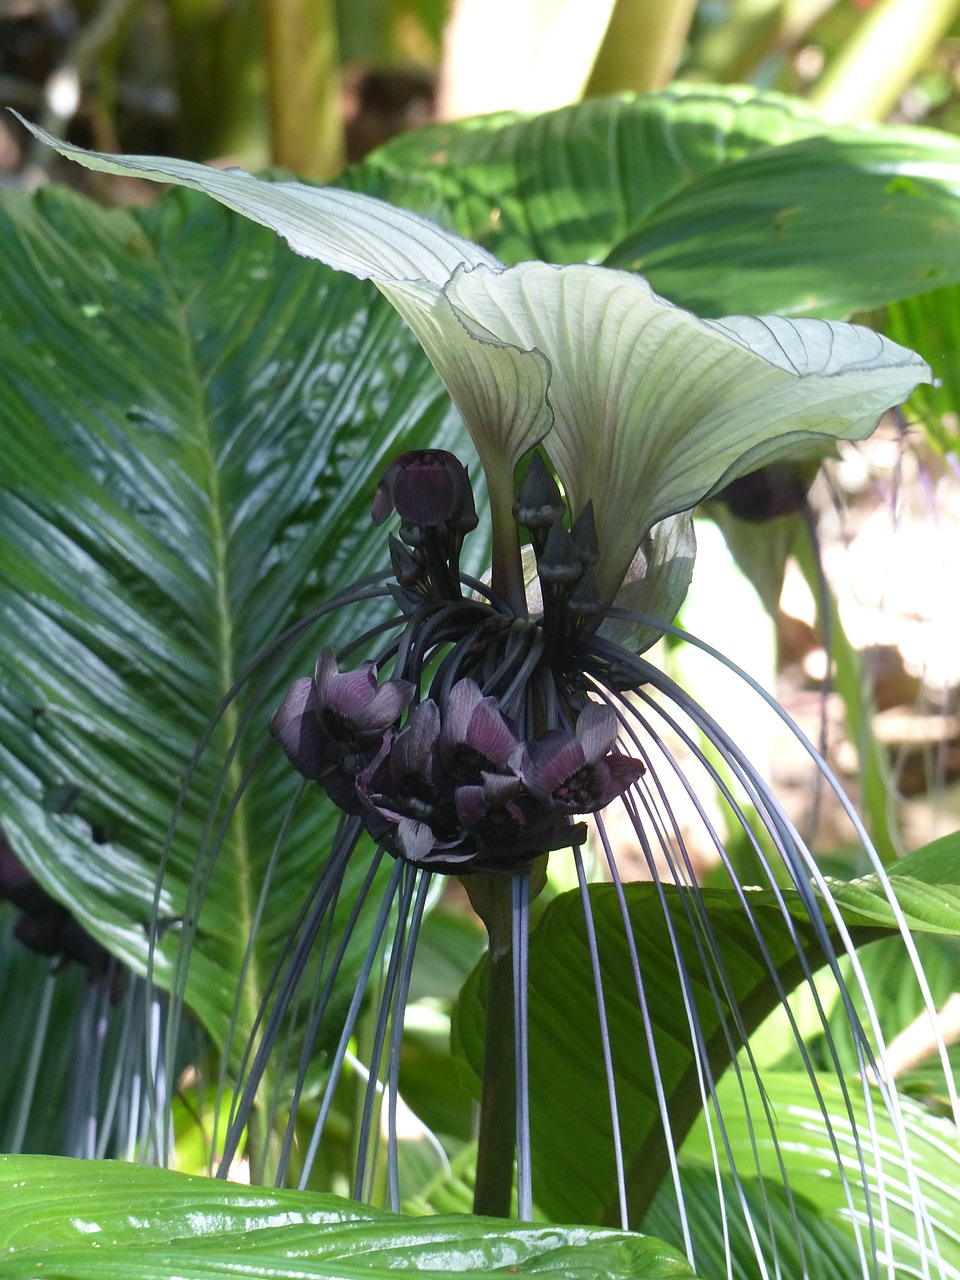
x=506 y=576
x=303 y=86
x=491 y=897
x=642 y=46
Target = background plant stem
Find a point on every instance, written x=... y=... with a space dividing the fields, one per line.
x=303 y=86
x=642 y=46
x=868 y=78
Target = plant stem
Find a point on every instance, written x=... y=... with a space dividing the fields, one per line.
x=866 y=80
x=506 y=576
x=303 y=79
x=642 y=46
x=492 y=900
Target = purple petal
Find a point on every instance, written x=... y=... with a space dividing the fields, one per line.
x=326 y=671
x=597 y=730
x=383 y=498
x=349 y=693
x=464 y=698
x=624 y=772
x=415 y=839
x=297 y=729
x=550 y=761
x=472 y=805
x=489 y=733
x=386 y=706
x=499 y=788
x=413 y=747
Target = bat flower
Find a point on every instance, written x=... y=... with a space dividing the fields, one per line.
x=634 y=411
x=579 y=772
x=475 y=737
x=427 y=488
x=403 y=789
x=329 y=724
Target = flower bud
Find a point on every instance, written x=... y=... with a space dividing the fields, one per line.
x=428 y=488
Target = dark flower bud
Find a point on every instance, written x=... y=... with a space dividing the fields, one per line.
x=428 y=488
x=778 y=489
x=407 y=568
x=584 y=599
x=584 y=534
x=559 y=562
x=539 y=502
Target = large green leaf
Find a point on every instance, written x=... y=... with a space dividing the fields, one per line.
x=193 y=423
x=727 y=199
x=790 y=1229
x=94 y=1221
x=573 y=1162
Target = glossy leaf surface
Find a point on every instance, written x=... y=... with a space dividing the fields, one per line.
x=835 y=1207
x=194 y=422
x=134 y=1223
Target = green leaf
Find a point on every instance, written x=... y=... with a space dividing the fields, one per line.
x=193 y=425
x=573 y=1163
x=816 y=1182
x=932 y=321
x=568 y=185
x=792 y=1230
x=68 y=1220
x=714 y=193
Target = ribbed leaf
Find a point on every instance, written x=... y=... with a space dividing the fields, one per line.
x=726 y=199
x=193 y=424
x=792 y=1230
x=116 y=1222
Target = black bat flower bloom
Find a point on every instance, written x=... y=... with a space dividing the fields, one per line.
x=483 y=719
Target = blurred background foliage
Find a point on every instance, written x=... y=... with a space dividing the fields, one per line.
x=309 y=84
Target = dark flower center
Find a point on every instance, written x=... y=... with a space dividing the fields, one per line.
x=416 y=796
x=467 y=764
x=582 y=791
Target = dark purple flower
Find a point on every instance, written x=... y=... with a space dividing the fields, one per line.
x=475 y=737
x=403 y=789
x=337 y=719
x=48 y=928
x=427 y=488
x=501 y=816
x=578 y=772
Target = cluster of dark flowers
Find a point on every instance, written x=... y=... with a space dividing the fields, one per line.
x=48 y=928
x=487 y=771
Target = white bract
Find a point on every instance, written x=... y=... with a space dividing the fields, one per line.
x=640 y=405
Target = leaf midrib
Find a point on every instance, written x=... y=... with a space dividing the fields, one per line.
x=246 y=962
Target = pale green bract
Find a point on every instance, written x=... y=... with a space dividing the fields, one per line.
x=640 y=405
